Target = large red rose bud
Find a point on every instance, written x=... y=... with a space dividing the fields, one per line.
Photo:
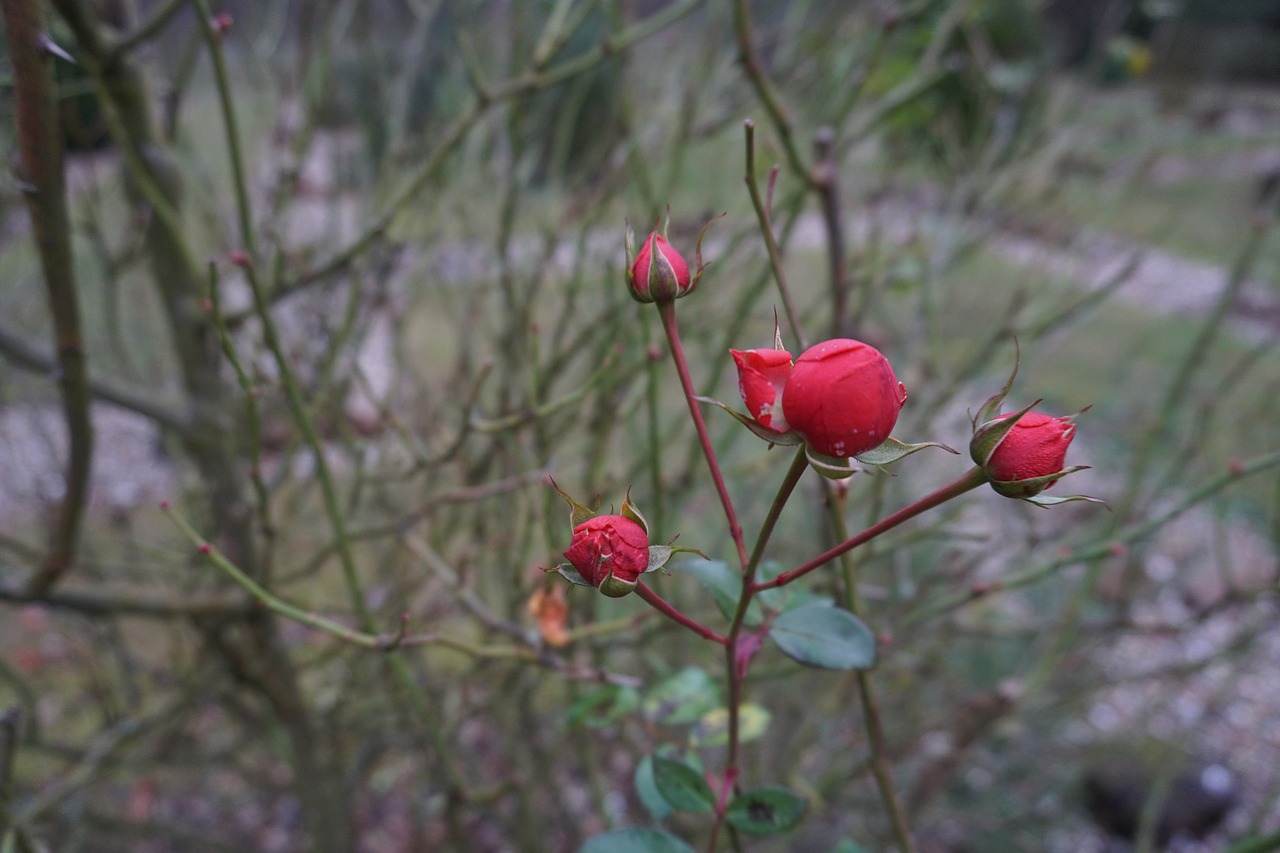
x=762 y=373
x=1025 y=458
x=843 y=397
x=610 y=552
x=658 y=273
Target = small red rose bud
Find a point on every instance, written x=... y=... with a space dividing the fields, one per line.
x=610 y=552
x=666 y=279
x=843 y=397
x=1022 y=460
x=762 y=373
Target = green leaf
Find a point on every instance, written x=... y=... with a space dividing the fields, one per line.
x=820 y=635
x=682 y=786
x=785 y=597
x=724 y=584
x=713 y=728
x=1257 y=844
x=602 y=706
x=682 y=698
x=765 y=811
x=647 y=790
x=848 y=845
x=892 y=450
x=636 y=839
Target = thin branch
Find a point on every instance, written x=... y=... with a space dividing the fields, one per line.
x=41 y=151
x=23 y=354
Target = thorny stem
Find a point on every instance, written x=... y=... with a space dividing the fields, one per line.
x=213 y=41
x=667 y=311
x=972 y=479
x=44 y=186
x=735 y=672
x=754 y=70
x=338 y=522
x=1098 y=550
x=880 y=764
x=826 y=182
x=766 y=228
x=870 y=707
x=387 y=641
x=666 y=609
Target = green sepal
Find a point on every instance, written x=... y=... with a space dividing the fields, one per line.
x=697 y=253
x=891 y=450
x=615 y=587
x=786 y=439
x=578 y=514
x=660 y=555
x=1031 y=486
x=831 y=467
x=991 y=407
x=569 y=573
x=988 y=436
x=661 y=272
x=630 y=511
x=629 y=242
x=1046 y=502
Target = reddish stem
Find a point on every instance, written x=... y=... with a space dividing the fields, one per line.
x=973 y=478
x=667 y=311
x=664 y=607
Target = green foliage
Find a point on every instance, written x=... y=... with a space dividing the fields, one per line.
x=766 y=811
x=818 y=634
x=635 y=840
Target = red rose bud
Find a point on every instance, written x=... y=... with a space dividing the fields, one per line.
x=1022 y=460
x=662 y=280
x=843 y=397
x=762 y=373
x=610 y=552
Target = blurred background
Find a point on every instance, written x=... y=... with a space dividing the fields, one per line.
x=342 y=285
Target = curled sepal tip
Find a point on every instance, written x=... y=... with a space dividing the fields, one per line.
x=578 y=513
x=991 y=407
